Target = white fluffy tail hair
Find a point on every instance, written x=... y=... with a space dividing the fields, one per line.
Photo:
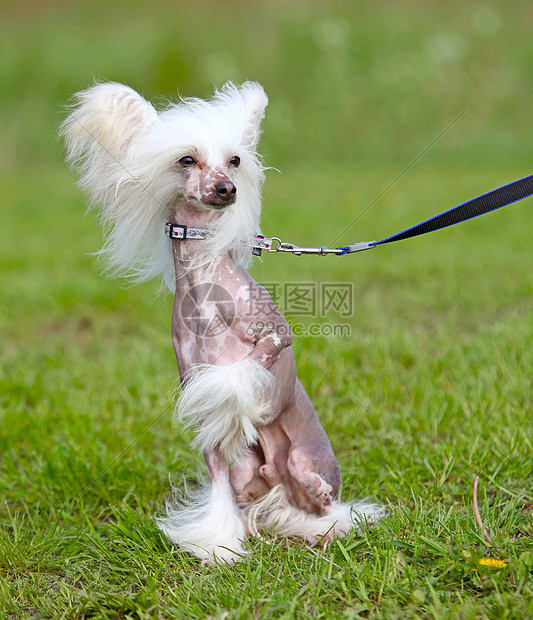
x=209 y=525
x=125 y=153
x=226 y=403
x=273 y=513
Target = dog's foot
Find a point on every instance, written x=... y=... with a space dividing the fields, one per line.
x=275 y=514
x=363 y=513
x=221 y=554
x=209 y=527
x=344 y=517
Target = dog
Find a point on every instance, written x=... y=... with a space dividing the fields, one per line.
x=195 y=165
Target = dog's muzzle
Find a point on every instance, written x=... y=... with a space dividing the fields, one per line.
x=225 y=193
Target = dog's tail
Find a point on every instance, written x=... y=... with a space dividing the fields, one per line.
x=273 y=513
x=226 y=403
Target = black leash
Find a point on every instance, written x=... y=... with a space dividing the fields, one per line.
x=495 y=199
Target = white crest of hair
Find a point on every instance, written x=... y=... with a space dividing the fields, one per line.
x=126 y=153
x=274 y=513
x=209 y=525
x=226 y=404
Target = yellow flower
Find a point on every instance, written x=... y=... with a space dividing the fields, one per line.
x=491 y=562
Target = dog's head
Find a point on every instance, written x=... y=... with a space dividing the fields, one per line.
x=210 y=146
x=141 y=166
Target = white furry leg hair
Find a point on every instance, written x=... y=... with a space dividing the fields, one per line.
x=226 y=403
x=274 y=513
x=210 y=525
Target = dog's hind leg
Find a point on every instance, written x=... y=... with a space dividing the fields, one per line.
x=316 y=475
x=209 y=525
x=303 y=476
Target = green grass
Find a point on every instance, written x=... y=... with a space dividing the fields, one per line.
x=431 y=388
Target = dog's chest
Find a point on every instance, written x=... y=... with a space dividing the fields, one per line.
x=217 y=316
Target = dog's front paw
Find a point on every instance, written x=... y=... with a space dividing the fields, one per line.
x=208 y=526
x=221 y=554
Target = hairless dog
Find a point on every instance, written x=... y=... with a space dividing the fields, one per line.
x=196 y=166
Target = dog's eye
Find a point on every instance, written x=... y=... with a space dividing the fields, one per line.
x=235 y=161
x=187 y=161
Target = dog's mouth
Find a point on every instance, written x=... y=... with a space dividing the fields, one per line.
x=212 y=203
x=220 y=204
x=215 y=198
x=206 y=207
x=210 y=190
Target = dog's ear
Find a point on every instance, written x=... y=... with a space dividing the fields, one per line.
x=105 y=119
x=255 y=102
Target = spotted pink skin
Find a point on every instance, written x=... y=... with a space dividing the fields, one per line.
x=200 y=181
x=293 y=447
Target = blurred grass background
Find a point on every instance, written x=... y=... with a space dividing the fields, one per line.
x=442 y=333
x=350 y=82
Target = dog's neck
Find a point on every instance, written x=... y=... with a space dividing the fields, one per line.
x=192 y=257
x=231 y=233
x=190 y=216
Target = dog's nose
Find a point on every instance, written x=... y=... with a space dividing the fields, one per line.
x=225 y=190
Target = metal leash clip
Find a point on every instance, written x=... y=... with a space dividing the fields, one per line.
x=298 y=251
